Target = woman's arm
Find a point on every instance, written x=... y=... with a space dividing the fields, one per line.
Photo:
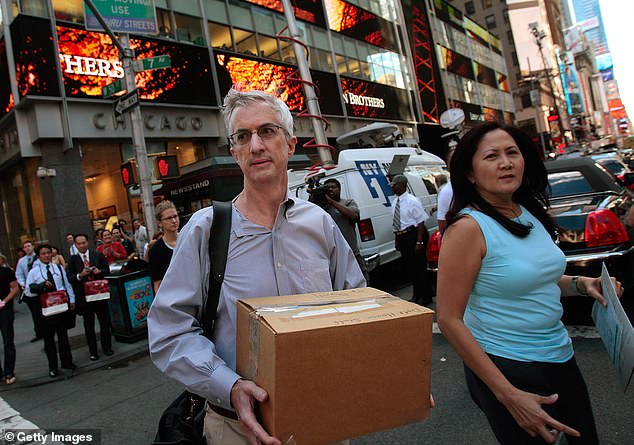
x=587 y=286
x=460 y=260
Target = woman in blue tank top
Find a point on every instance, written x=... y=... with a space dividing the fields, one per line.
x=500 y=281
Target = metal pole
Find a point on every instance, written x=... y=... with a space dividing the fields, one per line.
x=309 y=91
x=138 y=140
x=138 y=137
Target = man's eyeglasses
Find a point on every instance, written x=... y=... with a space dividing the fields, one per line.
x=266 y=132
x=174 y=217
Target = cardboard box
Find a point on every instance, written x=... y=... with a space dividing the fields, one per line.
x=336 y=365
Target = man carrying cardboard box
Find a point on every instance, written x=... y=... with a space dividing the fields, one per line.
x=279 y=245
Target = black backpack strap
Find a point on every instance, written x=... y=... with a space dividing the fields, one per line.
x=218 y=249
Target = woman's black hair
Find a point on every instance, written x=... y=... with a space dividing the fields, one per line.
x=531 y=194
x=43 y=246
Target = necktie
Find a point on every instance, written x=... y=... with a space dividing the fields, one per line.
x=86 y=262
x=396 y=221
x=49 y=276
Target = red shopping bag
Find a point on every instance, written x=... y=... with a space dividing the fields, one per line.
x=96 y=290
x=54 y=302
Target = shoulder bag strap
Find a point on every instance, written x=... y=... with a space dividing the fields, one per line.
x=218 y=249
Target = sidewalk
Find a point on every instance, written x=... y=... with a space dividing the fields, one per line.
x=31 y=367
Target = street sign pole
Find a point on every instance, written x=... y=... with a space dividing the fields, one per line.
x=138 y=140
x=138 y=137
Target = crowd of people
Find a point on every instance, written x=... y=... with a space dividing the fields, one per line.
x=57 y=285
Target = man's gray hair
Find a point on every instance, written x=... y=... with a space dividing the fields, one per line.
x=238 y=99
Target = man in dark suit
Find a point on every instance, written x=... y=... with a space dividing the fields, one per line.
x=86 y=266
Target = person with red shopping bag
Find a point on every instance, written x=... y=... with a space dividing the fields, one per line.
x=49 y=283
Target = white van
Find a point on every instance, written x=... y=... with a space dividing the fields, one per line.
x=362 y=173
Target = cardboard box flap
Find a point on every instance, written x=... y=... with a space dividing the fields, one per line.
x=294 y=313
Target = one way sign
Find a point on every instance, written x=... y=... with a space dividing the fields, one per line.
x=126 y=103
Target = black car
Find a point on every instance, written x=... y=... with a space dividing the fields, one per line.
x=589 y=205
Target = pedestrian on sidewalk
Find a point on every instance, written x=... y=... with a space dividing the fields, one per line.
x=70 y=244
x=9 y=288
x=88 y=266
x=46 y=277
x=58 y=258
x=112 y=250
x=160 y=253
x=24 y=266
x=141 y=238
x=410 y=239
x=268 y=224
x=500 y=283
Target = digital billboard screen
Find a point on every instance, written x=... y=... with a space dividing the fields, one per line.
x=36 y=71
x=307 y=10
x=485 y=75
x=90 y=61
x=360 y=24
x=456 y=63
x=276 y=78
x=6 y=97
x=369 y=99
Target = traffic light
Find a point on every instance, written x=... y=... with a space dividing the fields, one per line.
x=128 y=174
x=167 y=167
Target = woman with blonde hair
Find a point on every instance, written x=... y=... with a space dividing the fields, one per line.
x=160 y=252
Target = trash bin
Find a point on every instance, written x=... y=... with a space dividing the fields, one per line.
x=131 y=295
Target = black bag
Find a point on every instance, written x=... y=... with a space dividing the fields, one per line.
x=182 y=423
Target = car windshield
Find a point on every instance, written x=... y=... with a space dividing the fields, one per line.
x=613 y=165
x=568 y=183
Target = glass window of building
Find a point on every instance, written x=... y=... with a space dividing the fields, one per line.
x=220 y=36
x=269 y=47
x=240 y=16
x=288 y=53
x=189 y=7
x=354 y=68
x=69 y=10
x=364 y=67
x=321 y=60
x=245 y=42
x=164 y=22
x=342 y=66
x=487 y=4
x=188 y=29
x=505 y=16
x=33 y=7
x=490 y=21
x=264 y=21
x=469 y=8
x=187 y=152
x=216 y=10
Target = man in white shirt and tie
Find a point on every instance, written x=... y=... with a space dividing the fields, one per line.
x=410 y=234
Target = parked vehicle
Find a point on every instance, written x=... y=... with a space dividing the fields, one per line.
x=615 y=165
x=363 y=173
x=590 y=206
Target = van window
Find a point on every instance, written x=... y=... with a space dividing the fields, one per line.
x=429 y=175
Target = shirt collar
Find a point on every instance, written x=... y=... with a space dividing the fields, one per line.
x=245 y=227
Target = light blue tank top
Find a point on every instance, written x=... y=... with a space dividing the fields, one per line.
x=514 y=310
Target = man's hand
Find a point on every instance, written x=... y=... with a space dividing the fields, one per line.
x=244 y=394
x=85 y=272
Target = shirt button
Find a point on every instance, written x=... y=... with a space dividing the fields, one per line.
x=279 y=265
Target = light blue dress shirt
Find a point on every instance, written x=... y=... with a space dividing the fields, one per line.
x=38 y=275
x=303 y=252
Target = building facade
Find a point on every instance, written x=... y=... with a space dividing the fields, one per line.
x=62 y=147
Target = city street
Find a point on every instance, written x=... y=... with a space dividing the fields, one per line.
x=125 y=395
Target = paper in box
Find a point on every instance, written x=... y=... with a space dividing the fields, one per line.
x=336 y=365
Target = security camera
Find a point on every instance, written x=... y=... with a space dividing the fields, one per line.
x=41 y=172
x=51 y=172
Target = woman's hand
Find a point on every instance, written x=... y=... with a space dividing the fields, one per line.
x=592 y=287
x=526 y=409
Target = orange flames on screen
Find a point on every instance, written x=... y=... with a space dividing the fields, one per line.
x=93 y=45
x=254 y=75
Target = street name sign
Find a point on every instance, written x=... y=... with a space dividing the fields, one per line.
x=152 y=63
x=134 y=16
x=126 y=103
x=112 y=88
